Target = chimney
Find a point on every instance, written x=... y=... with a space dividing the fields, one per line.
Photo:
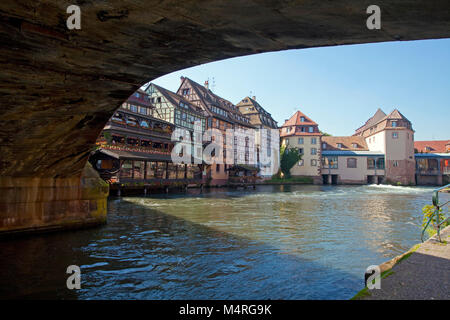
x=181 y=78
x=207 y=84
x=254 y=98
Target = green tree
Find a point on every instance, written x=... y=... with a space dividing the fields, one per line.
x=289 y=157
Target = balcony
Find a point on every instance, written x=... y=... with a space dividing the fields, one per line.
x=120 y=146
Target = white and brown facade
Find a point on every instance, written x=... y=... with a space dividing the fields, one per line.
x=221 y=114
x=267 y=146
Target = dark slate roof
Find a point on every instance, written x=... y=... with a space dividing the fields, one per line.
x=175 y=99
x=208 y=99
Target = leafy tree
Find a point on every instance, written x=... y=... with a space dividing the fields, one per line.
x=325 y=134
x=289 y=157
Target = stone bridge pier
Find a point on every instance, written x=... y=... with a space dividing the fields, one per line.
x=29 y=204
x=58 y=87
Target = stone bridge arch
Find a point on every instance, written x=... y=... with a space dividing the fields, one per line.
x=59 y=86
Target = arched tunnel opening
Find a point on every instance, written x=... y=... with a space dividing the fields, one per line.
x=60 y=86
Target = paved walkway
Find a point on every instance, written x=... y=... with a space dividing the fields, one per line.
x=425 y=274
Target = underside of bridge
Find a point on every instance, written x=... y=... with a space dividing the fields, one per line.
x=59 y=86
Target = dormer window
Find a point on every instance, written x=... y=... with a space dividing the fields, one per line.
x=324 y=145
x=311 y=129
x=185 y=92
x=394 y=124
x=302 y=119
x=354 y=145
x=339 y=145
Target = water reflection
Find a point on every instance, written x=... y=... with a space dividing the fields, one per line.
x=291 y=242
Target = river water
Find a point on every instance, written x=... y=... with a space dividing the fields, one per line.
x=275 y=242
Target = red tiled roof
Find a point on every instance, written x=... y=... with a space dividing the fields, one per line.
x=436 y=146
x=346 y=142
x=295 y=120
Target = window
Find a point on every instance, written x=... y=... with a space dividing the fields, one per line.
x=380 y=163
x=395 y=163
x=209 y=122
x=302 y=129
x=217 y=167
x=313 y=162
x=311 y=129
x=313 y=140
x=324 y=145
x=133 y=108
x=394 y=124
x=339 y=145
x=286 y=141
x=300 y=150
x=370 y=163
x=351 y=162
x=313 y=150
x=394 y=135
x=330 y=162
x=300 y=162
x=302 y=119
x=158 y=99
x=354 y=145
x=288 y=129
x=185 y=92
x=300 y=140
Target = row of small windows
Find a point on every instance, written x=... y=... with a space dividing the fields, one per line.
x=301 y=140
x=340 y=145
x=302 y=129
x=219 y=111
x=332 y=163
x=137 y=109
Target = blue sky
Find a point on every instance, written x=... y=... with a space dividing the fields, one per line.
x=340 y=87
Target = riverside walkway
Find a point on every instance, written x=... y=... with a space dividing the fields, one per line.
x=423 y=274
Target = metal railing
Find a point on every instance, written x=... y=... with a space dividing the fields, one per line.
x=437 y=209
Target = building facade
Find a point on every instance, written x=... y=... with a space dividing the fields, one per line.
x=393 y=136
x=348 y=160
x=301 y=132
x=179 y=111
x=267 y=146
x=221 y=114
x=134 y=149
x=432 y=162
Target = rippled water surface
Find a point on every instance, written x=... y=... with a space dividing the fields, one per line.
x=276 y=242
